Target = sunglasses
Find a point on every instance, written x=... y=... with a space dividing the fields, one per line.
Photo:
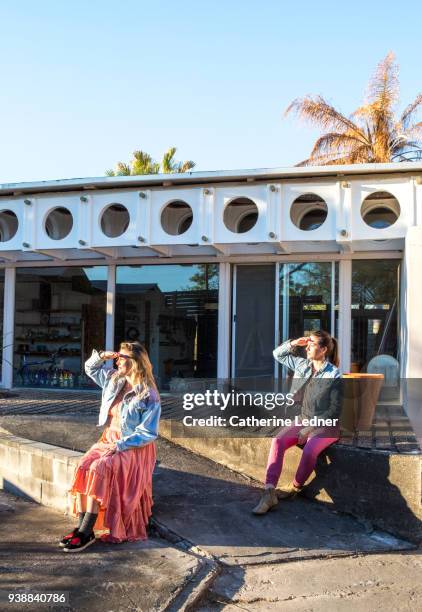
x=122 y=356
x=311 y=342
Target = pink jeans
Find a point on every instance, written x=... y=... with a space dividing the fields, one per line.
x=318 y=441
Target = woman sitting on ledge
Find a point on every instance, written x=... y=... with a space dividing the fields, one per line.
x=321 y=399
x=113 y=480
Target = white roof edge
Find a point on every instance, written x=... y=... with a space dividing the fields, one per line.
x=143 y=181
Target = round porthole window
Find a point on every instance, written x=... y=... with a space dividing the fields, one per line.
x=308 y=212
x=115 y=220
x=8 y=225
x=380 y=210
x=240 y=215
x=176 y=218
x=58 y=223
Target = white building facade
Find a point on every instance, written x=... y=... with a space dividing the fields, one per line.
x=210 y=271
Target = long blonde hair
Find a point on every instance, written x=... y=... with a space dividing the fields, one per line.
x=141 y=371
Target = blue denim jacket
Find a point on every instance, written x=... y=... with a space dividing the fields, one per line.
x=321 y=398
x=139 y=415
x=302 y=367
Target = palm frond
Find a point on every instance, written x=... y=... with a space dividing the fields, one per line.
x=409 y=111
x=319 y=112
x=142 y=157
x=143 y=163
x=334 y=143
x=409 y=156
x=186 y=166
x=360 y=155
x=384 y=84
x=168 y=163
x=322 y=160
x=372 y=133
x=171 y=166
x=406 y=150
x=122 y=169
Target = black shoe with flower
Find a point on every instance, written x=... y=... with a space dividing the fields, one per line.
x=80 y=541
x=65 y=539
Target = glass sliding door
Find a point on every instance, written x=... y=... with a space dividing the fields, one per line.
x=375 y=312
x=305 y=298
x=254 y=320
x=336 y=299
x=307 y=295
x=308 y=300
x=172 y=310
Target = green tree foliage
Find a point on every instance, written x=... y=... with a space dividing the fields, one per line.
x=206 y=278
x=142 y=163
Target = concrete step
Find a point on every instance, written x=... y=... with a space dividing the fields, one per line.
x=380 y=486
x=203 y=504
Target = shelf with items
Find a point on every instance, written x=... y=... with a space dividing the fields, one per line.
x=52 y=379
x=48 y=353
x=64 y=311
x=56 y=340
x=61 y=325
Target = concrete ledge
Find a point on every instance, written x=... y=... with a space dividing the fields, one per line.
x=39 y=471
x=381 y=487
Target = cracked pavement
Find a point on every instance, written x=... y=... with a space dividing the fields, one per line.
x=354 y=584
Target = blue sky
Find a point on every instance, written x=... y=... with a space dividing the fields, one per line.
x=86 y=83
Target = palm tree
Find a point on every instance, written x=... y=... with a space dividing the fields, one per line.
x=372 y=134
x=122 y=169
x=142 y=163
x=169 y=165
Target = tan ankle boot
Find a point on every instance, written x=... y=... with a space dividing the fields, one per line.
x=289 y=492
x=268 y=500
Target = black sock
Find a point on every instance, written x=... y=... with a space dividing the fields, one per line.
x=81 y=518
x=88 y=523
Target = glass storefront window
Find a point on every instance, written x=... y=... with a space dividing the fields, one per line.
x=173 y=311
x=59 y=319
x=375 y=305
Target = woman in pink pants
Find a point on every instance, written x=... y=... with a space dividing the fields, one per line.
x=321 y=398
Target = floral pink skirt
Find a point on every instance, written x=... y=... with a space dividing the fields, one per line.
x=122 y=485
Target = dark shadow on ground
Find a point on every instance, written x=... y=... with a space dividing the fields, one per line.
x=210 y=505
x=348 y=479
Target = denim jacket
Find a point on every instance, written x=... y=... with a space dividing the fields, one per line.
x=322 y=397
x=139 y=415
